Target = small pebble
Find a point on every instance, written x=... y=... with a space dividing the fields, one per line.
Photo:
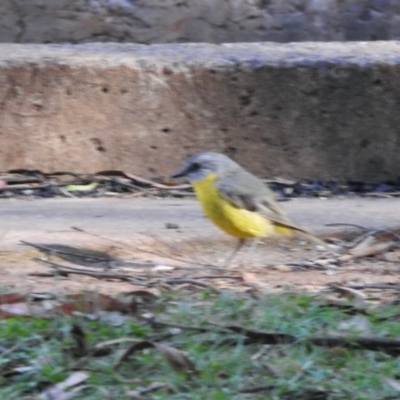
x=163 y=268
x=170 y=225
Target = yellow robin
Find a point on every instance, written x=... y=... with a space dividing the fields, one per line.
x=235 y=200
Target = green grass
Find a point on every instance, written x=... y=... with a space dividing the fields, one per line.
x=291 y=371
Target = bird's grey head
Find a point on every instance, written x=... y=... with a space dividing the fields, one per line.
x=200 y=165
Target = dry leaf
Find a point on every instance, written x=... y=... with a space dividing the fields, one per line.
x=363 y=242
x=358 y=323
x=90 y=303
x=139 y=394
x=59 y=390
x=135 y=395
x=112 y=318
x=394 y=384
x=114 y=342
x=176 y=358
x=8 y=298
x=364 y=250
x=391 y=256
x=283 y=268
x=248 y=277
x=144 y=295
x=15 y=310
x=350 y=293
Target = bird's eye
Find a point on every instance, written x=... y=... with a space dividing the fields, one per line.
x=194 y=167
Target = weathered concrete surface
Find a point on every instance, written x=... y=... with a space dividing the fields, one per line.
x=51 y=220
x=215 y=21
x=318 y=110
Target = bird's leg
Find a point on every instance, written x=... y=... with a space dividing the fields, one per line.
x=238 y=247
x=250 y=250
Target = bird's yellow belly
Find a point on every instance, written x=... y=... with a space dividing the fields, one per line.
x=235 y=221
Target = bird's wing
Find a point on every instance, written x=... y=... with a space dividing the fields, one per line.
x=244 y=190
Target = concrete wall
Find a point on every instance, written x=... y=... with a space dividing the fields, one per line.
x=212 y=21
x=326 y=110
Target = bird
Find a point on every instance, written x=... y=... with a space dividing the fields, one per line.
x=237 y=201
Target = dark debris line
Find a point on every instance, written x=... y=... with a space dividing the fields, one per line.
x=36 y=184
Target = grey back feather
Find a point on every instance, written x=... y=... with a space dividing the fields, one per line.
x=244 y=190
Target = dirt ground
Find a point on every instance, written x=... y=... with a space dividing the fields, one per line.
x=174 y=255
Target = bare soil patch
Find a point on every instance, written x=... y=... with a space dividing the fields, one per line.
x=154 y=262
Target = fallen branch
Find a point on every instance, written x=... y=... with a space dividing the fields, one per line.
x=257 y=389
x=218 y=277
x=163 y=324
x=78 y=253
x=24 y=187
x=346 y=224
x=179 y=281
x=61 y=269
x=391 y=286
x=250 y=336
x=155 y=184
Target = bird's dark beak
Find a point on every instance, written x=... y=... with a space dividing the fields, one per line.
x=182 y=172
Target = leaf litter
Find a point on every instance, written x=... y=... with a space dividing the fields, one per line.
x=35 y=183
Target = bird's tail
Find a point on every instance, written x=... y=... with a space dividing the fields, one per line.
x=311 y=237
x=288 y=230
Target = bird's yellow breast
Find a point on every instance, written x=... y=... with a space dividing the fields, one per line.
x=235 y=221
